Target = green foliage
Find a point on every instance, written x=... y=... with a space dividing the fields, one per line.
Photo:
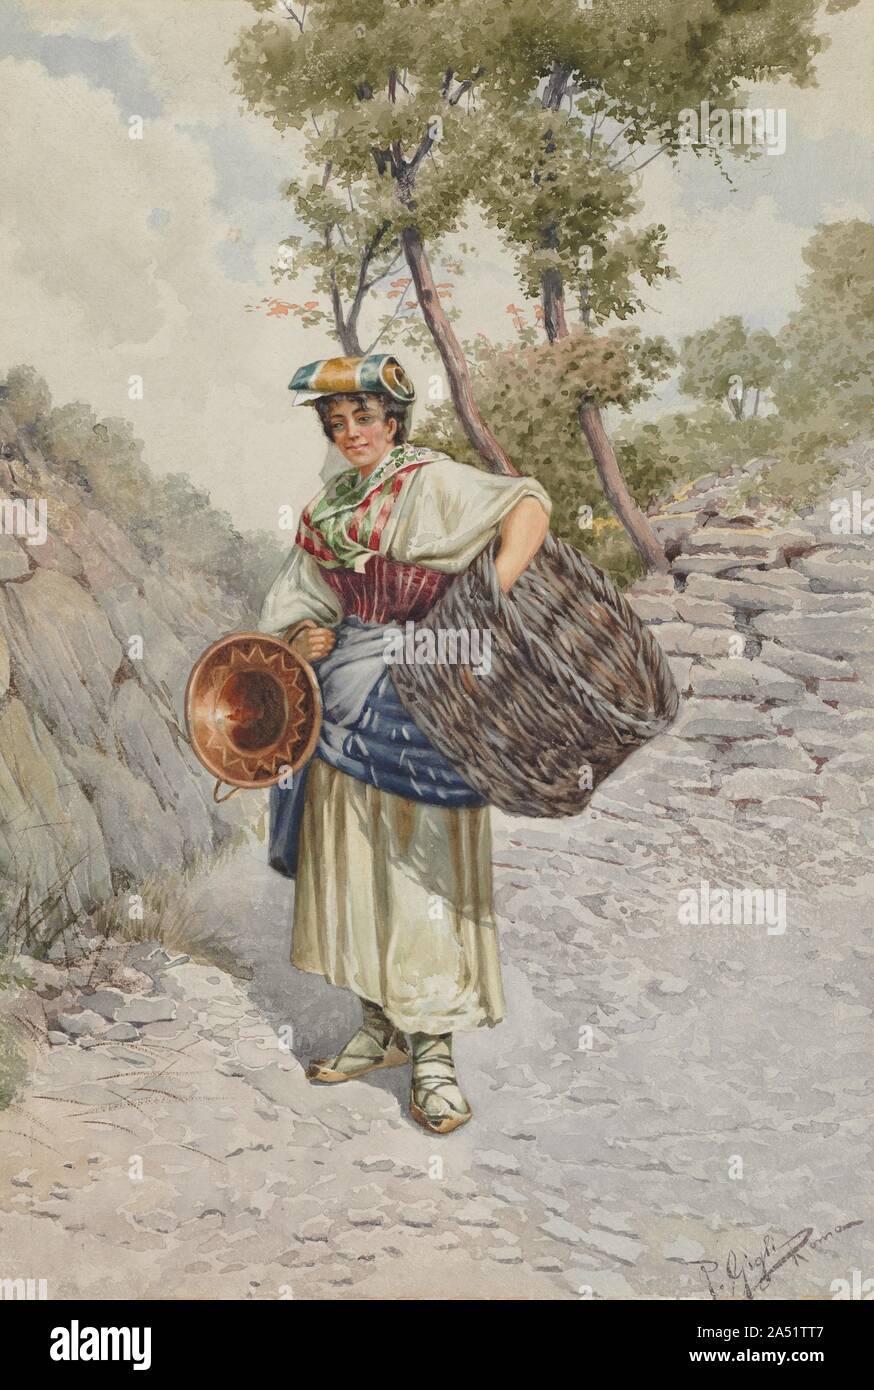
x=168 y=516
x=349 y=244
x=580 y=100
x=531 y=395
x=33 y=919
x=645 y=61
x=557 y=193
x=422 y=106
x=729 y=362
x=370 y=89
x=705 y=440
x=803 y=467
x=369 y=77
x=819 y=368
x=25 y=395
x=183 y=522
x=828 y=343
x=684 y=446
x=819 y=371
x=101 y=457
x=414 y=108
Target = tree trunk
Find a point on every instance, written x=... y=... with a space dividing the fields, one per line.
x=346 y=333
x=552 y=298
x=592 y=424
x=350 y=340
x=367 y=258
x=633 y=519
x=453 y=357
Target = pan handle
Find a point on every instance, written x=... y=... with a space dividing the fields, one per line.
x=219 y=799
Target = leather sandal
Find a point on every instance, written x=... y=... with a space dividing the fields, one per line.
x=377 y=1044
x=325 y=1068
x=434 y=1075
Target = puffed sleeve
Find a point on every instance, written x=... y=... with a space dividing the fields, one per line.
x=298 y=592
x=450 y=511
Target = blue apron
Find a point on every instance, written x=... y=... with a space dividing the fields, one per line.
x=367 y=733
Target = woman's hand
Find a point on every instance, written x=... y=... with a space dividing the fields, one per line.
x=312 y=643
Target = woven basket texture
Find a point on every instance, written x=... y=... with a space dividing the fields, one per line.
x=576 y=683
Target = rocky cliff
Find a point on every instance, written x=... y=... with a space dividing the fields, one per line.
x=98 y=787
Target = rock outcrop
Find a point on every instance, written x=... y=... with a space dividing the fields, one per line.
x=98 y=786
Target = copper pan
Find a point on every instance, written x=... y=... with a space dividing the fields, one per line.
x=252 y=710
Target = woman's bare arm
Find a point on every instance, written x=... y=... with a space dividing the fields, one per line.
x=523 y=532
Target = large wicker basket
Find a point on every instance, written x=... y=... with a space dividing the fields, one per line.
x=576 y=683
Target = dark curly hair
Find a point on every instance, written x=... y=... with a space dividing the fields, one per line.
x=391 y=409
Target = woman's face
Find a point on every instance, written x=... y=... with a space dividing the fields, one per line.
x=360 y=432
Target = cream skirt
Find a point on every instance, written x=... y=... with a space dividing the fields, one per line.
x=394 y=901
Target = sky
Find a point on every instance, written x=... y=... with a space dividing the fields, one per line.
x=124 y=258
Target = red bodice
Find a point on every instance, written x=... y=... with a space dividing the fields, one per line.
x=387 y=591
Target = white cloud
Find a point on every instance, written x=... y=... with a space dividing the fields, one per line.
x=845 y=211
x=93 y=294
x=183 y=42
x=739 y=260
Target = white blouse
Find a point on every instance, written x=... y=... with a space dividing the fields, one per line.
x=446 y=513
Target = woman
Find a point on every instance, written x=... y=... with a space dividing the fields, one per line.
x=392 y=845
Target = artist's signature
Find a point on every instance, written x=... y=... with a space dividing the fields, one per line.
x=743 y=1276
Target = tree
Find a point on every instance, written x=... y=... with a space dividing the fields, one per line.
x=563 y=204
x=350 y=245
x=377 y=77
x=627 y=73
x=400 y=87
x=25 y=395
x=527 y=390
x=730 y=363
x=828 y=342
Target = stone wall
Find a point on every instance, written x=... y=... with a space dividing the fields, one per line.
x=768 y=626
